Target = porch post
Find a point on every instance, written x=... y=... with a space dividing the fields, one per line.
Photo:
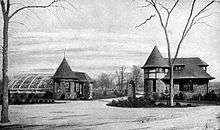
x=91 y=91
x=207 y=87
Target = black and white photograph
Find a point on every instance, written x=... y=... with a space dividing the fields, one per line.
x=109 y=64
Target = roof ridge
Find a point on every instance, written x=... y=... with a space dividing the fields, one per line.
x=64 y=70
x=155 y=59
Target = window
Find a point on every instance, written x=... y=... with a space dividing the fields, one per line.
x=186 y=86
x=67 y=86
x=178 y=68
x=161 y=70
x=152 y=70
x=204 y=68
x=154 y=85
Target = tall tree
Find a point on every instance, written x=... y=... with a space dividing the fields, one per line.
x=136 y=75
x=105 y=81
x=7 y=17
x=194 y=17
x=121 y=77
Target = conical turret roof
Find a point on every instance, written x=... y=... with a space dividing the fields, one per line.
x=64 y=71
x=155 y=60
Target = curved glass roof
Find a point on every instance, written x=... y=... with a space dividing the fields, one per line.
x=31 y=82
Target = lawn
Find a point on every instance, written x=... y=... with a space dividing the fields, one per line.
x=96 y=115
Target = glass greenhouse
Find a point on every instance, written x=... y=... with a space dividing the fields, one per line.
x=31 y=83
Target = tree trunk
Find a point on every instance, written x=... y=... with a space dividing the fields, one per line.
x=171 y=86
x=133 y=87
x=4 y=112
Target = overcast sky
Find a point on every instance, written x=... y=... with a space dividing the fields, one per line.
x=100 y=35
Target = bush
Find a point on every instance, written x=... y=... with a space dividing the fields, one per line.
x=197 y=97
x=189 y=105
x=62 y=97
x=48 y=95
x=211 y=96
x=155 y=96
x=178 y=104
x=130 y=102
x=118 y=93
x=24 y=98
x=218 y=97
x=180 y=96
x=164 y=96
x=161 y=105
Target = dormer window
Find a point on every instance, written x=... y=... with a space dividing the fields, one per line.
x=178 y=68
x=204 y=68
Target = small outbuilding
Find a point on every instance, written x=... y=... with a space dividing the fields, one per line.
x=190 y=75
x=69 y=84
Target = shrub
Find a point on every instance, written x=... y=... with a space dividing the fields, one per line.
x=118 y=93
x=197 y=97
x=176 y=97
x=189 y=105
x=178 y=104
x=155 y=96
x=164 y=96
x=48 y=95
x=211 y=96
x=218 y=97
x=62 y=97
x=31 y=95
x=161 y=104
x=180 y=96
x=130 y=102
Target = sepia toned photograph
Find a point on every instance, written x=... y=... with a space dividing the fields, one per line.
x=110 y=64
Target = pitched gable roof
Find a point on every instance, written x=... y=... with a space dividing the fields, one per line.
x=155 y=59
x=83 y=77
x=191 y=60
x=191 y=69
x=64 y=71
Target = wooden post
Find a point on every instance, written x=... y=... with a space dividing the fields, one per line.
x=91 y=91
x=4 y=112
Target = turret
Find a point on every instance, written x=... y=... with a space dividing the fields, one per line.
x=155 y=69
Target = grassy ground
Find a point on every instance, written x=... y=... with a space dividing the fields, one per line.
x=96 y=115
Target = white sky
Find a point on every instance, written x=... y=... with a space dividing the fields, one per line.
x=100 y=36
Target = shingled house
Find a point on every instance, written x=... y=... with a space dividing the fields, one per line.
x=70 y=84
x=190 y=75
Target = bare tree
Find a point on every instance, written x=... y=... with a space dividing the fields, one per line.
x=121 y=77
x=7 y=17
x=136 y=75
x=105 y=81
x=193 y=18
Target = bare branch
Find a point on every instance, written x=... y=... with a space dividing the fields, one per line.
x=165 y=8
x=158 y=13
x=17 y=3
x=203 y=9
x=144 y=6
x=190 y=23
x=149 y=2
x=17 y=22
x=206 y=24
x=3 y=6
x=169 y=13
x=165 y=30
x=199 y=13
x=174 y=6
x=203 y=17
x=8 y=6
x=145 y=21
x=37 y=6
x=185 y=30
